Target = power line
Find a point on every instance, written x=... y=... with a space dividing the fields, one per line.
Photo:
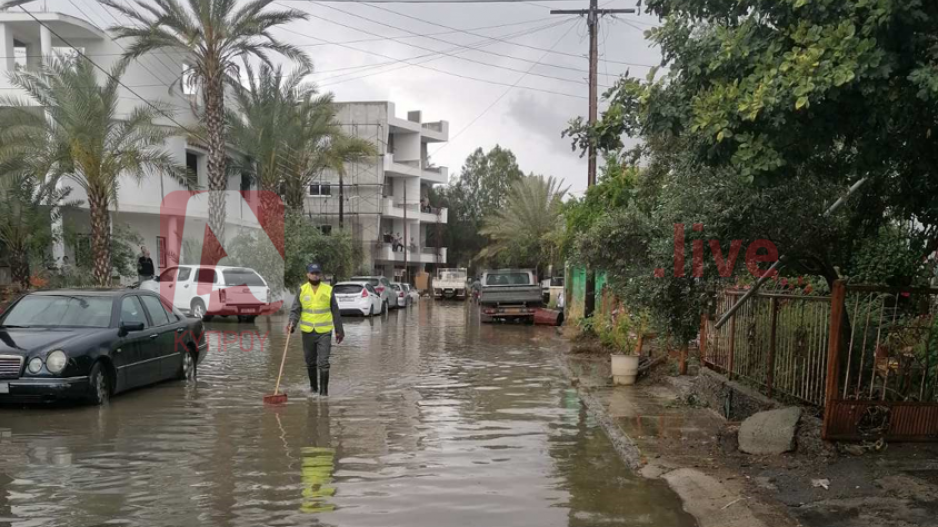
x=434 y=56
x=469 y=32
x=459 y=75
x=508 y=68
x=500 y=97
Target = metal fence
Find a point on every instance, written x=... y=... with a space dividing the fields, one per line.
x=776 y=341
x=883 y=356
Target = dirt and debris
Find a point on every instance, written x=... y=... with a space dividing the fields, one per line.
x=873 y=484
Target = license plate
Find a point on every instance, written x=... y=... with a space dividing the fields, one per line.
x=511 y=311
x=249 y=310
x=4 y=387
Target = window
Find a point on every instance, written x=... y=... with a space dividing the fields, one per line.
x=234 y=277
x=173 y=317
x=161 y=251
x=155 y=308
x=132 y=311
x=371 y=289
x=347 y=289
x=508 y=279
x=192 y=163
x=245 y=182
x=184 y=273
x=320 y=189
x=391 y=144
x=60 y=310
x=325 y=229
x=169 y=275
x=205 y=276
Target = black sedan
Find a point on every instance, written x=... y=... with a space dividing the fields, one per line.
x=90 y=344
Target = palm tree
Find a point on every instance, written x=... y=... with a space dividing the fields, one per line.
x=71 y=128
x=213 y=35
x=288 y=133
x=523 y=232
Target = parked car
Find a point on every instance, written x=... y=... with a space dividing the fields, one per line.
x=359 y=298
x=400 y=293
x=91 y=344
x=382 y=285
x=412 y=293
x=209 y=291
x=509 y=294
x=450 y=283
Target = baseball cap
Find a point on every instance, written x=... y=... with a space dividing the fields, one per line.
x=313 y=268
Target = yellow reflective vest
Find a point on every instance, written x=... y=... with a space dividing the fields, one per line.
x=317 y=308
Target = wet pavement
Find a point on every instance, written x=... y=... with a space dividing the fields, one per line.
x=433 y=420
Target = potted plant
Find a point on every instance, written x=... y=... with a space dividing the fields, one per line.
x=628 y=348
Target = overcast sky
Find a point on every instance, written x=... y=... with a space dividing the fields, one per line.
x=526 y=118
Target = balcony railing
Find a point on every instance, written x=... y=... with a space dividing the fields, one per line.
x=437 y=126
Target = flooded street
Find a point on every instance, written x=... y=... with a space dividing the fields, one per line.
x=433 y=420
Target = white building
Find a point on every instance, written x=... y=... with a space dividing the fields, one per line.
x=26 y=42
x=387 y=195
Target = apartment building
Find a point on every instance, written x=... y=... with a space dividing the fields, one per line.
x=26 y=42
x=385 y=199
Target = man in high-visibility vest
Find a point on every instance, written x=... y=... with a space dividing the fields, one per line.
x=316 y=312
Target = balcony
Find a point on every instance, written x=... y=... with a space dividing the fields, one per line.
x=384 y=253
x=435 y=174
x=433 y=217
x=435 y=132
x=393 y=209
x=401 y=168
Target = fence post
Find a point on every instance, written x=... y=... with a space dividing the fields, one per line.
x=702 y=348
x=773 y=330
x=729 y=373
x=838 y=295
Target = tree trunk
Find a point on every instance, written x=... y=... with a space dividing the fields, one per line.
x=214 y=99
x=100 y=235
x=19 y=266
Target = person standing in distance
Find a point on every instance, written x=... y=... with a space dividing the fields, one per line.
x=145 y=270
x=316 y=312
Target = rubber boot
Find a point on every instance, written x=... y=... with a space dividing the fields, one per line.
x=313 y=379
x=324 y=382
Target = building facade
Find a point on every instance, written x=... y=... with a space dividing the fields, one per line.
x=26 y=43
x=384 y=201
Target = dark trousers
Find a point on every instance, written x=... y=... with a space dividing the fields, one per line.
x=316 y=350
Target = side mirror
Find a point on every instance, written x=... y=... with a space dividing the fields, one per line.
x=156 y=278
x=126 y=328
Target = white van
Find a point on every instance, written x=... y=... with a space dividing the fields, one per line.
x=208 y=291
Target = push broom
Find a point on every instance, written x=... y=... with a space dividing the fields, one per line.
x=277 y=397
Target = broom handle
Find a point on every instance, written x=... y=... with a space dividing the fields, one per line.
x=282 y=362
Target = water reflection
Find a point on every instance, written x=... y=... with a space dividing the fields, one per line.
x=434 y=420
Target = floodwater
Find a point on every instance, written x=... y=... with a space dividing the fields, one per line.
x=433 y=420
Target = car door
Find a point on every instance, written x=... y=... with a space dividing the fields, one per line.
x=374 y=298
x=130 y=354
x=175 y=283
x=160 y=337
x=171 y=359
x=206 y=287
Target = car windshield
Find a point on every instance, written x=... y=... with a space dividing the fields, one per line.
x=60 y=310
x=242 y=277
x=508 y=279
x=347 y=289
x=396 y=287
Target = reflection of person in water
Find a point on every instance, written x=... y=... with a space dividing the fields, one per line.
x=318 y=462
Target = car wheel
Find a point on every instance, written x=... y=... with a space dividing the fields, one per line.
x=384 y=308
x=99 y=385
x=371 y=310
x=198 y=308
x=188 y=371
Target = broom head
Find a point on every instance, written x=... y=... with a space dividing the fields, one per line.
x=275 y=399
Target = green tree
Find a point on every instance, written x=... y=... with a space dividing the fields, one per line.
x=524 y=233
x=28 y=206
x=80 y=135
x=481 y=188
x=212 y=35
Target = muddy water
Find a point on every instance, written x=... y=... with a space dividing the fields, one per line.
x=433 y=420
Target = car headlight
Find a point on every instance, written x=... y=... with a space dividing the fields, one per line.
x=56 y=361
x=35 y=365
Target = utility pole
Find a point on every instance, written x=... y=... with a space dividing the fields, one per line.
x=592 y=21
x=404 y=241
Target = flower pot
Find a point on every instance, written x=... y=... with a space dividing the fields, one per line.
x=624 y=369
